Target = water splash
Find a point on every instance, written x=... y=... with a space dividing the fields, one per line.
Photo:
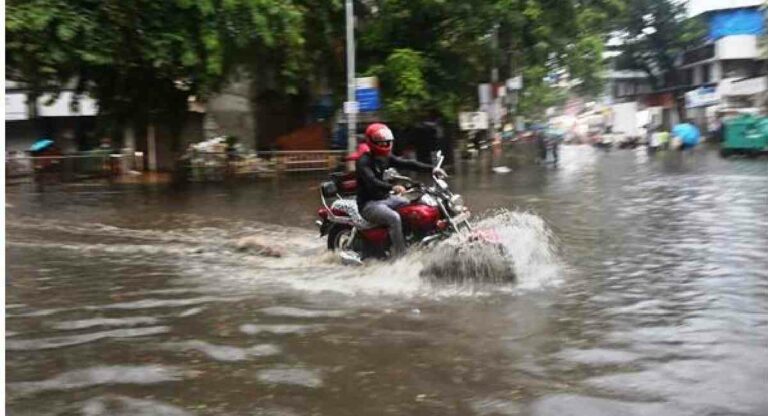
x=529 y=254
x=530 y=244
x=514 y=246
x=209 y=254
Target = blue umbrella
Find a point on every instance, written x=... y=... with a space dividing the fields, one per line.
x=687 y=133
x=40 y=145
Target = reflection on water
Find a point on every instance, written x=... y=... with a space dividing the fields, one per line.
x=642 y=288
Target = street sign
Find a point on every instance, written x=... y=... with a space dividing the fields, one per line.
x=515 y=83
x=367 y=82
x=702 y=97
x=367 y=93
x=477 y=120
x=351 y=107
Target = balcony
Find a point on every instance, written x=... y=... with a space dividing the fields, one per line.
x=743 y=86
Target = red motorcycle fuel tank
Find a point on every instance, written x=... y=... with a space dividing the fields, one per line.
x=419 y=216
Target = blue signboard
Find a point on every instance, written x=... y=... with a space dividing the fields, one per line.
x=368 y=99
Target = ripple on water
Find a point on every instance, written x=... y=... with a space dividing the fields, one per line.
x=301 y=313
x=69 y=340
x=577 y=405
x=495 y=407
x=253 y=329
x=291 y=376
x=225 y=352
x=159 y=303
x=89 y=323
x=727 y=386
x=97 y=376
x=598 y=356
x=114 y=405
x=191 y=312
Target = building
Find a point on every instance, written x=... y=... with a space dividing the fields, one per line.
x=27 y=120
x=72 y=122
x=726 y=73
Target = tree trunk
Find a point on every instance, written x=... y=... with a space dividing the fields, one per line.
x=151 y=148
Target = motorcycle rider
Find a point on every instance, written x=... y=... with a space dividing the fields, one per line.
x=374 y=200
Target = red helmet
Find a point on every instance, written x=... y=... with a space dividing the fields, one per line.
x=379 y=138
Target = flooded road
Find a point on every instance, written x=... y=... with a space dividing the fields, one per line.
x=642 y=290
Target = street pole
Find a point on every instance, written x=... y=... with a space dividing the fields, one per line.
x=351 y=113
x=494 y=81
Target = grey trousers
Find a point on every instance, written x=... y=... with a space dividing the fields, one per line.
x=382 y=212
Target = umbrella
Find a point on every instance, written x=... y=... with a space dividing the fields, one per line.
x=40 y=145
x=687 y=133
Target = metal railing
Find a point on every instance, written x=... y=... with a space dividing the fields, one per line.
x=198 y=167
x=305 y=160
x=73 y=167
x=217 y=166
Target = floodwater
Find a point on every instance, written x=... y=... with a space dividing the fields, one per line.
x=642 y=290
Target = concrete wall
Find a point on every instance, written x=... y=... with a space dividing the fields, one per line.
x=168 y=146
x=232 y=112
x=737 y=47
x=697 y=7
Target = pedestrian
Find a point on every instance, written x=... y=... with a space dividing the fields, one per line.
x=541 y=143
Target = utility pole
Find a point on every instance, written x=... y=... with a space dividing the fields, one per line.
x=514 y=63
x=351 y=112
x=494 y=80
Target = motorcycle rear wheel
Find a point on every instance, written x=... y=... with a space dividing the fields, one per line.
x=338 y=236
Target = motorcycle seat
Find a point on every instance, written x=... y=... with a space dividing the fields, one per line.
x=349 y=206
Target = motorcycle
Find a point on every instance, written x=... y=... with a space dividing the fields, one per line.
x=433 y=213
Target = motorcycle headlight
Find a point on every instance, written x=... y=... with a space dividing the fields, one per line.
x=429 y=200
x=457 y=202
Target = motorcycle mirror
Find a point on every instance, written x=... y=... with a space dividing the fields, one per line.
x=437 y=158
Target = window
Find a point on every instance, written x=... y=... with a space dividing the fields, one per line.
x=706 y=73
x=688 y=76
x=739 y=68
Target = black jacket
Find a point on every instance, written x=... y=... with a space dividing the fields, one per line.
x=370 y=171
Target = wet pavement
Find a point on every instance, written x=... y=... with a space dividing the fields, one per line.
x=642 y=290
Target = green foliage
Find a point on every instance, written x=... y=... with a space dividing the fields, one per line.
x=656 y=31
x=454 y=38
x=142 y=59
x=403 y=78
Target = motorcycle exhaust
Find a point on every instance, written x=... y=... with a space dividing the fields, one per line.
x=350 y=258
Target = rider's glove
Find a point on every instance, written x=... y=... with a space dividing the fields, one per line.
x=437 y=172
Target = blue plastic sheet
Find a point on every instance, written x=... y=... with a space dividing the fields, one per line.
x=687 y=133
x=736 y=22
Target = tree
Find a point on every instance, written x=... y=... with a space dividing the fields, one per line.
x=654 y=33
x=142 y=59
x=455 y=45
